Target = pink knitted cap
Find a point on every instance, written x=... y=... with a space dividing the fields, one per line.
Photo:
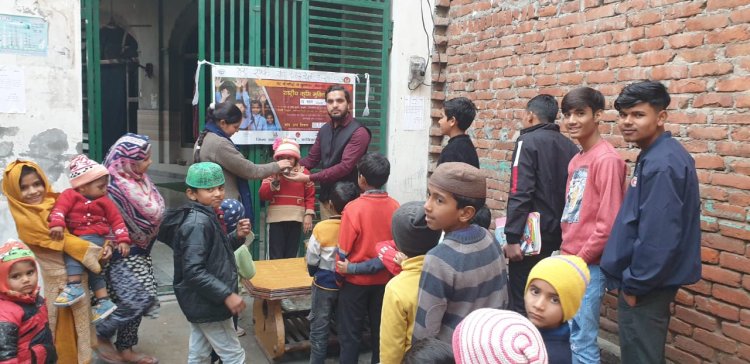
x=83 y=170
x=286 y=148
x=490 y=336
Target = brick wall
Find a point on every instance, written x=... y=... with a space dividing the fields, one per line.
x=501 y=53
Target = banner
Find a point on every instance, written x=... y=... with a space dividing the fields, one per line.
x=277 y=102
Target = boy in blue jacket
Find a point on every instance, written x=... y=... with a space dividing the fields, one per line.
x=654 y=246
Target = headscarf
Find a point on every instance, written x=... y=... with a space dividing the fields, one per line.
x=12 y=252
x=136 y=196
x=31 y=220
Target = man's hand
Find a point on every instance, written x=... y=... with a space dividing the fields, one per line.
x=629 y=299
x=298 y=177
x=124 y=249
x=56 y=233
x=342 y=266
x=243 y=228
x=307 y=224
x=235 y=303
x=513 y=252
x=284 y=164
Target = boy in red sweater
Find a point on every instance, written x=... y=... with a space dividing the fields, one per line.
x=292 y=204
x=365 y=222
x=596 y=178
x=88 y=213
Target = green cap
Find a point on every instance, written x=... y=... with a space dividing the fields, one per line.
x=204 y=175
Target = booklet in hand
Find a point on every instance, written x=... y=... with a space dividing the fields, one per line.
x=531 y=241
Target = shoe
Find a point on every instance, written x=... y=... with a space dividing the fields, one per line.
x=101 y=310
x=71 y=294
x=240 y=332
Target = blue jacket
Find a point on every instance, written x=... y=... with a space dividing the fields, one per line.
x=557 y=342
x=655 y=239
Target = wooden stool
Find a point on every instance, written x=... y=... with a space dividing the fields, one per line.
x=275 y=280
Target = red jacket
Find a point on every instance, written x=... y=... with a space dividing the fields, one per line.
x=83 y=216
x=365 y=222
x=291 y=201
x=25 y=336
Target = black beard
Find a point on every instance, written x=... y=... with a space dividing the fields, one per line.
x=339 y=119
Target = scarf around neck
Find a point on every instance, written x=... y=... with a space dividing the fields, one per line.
x=140 y=203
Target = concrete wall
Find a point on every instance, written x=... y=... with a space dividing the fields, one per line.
x=406 y=148
x=501 y=53
x=50 y=130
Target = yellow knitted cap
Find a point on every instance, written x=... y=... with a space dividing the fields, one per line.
x=569 y=275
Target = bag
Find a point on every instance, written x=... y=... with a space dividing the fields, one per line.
x=531 y=241
x=245 y=263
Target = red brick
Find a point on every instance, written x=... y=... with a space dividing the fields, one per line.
x=718 y=308
x=614 y=23
x=740 y=199
x=656 y=58
x=630 y=74
x=726 y=211
x=691 y=85
x=593 y=65
x=702 y=287
x=680 y=327
x=709 y=22
x=686 y=117
x=691 y=40
x=665 y=28
x=684 y=298
x=740 y=166
x=736 y=332
x=698 y=319
x=718 y=274
x=584 y=53
x=625 y=61
x=571 y=79
x=723 y=243
x=697 y=55
x=734 y=229
x=731 y=180
x=628 y=35
x=600 y=77
x=709 y=255
x=731 y=295
x=737 y=50
x=600 y=12
x=679 y=356
x=684 y=10
x=744 y=351
x=729 y=35
x=725 y=4
x=710 y=69
x=741 y=134
x=733 y=148
x=745 y=317
x=740 y=16
x=713 y=100
x=694 y=347
x=646 y=45
x=733 y=84
x=713 y=193
x=669 y=72
x=742 y=101
x=715 y=340
x=709 y=161
x=732 y=119
x=637 y=19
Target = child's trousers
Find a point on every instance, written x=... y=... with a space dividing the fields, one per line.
x=283 y=239
x=74 y=267
x=321 y=314
x=217 y=335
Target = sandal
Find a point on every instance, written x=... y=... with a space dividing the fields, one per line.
x=140 y=358
x=108 y=354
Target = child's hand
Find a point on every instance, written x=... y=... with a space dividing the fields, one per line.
x=307 y=224
x=243 y=228
x=342 y=266
x=56 y=233
x=124 y=249
x=235 y=303
x=399 y=257
x=106 y=251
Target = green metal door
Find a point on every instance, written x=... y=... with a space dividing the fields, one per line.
x=92 y=108
x=335 y=35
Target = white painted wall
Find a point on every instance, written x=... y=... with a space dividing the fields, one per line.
x=50 y=131
x=408 y=150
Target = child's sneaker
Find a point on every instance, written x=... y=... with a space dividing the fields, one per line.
x=69 y=295
x=102 y=309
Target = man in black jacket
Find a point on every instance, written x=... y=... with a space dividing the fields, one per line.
x=537 y=184
x=205 y=272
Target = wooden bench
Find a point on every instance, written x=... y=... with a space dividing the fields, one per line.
x=278 y=332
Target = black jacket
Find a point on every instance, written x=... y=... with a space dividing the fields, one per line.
x=459 y=149
x=205 y=272
x=537 y=183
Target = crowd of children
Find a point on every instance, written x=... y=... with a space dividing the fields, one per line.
x=384 y=268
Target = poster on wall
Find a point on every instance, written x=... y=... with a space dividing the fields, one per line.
x=277 y=102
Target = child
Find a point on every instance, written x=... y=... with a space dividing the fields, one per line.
x=537 y=184
x=413 y=238
x=25 y=336
x=552 y=296
x=458 y=114
x=365 y=222
x=655 y=243
x=467 y=270
x=245 y=123
x=205 y=272
x=292 y=204
x=429 y=350
x=596 y=178
x=321 y=260
x=489 y=336
x=86 y=211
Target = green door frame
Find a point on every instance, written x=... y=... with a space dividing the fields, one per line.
x=93 y=97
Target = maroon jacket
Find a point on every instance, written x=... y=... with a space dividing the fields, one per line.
x=25 y=336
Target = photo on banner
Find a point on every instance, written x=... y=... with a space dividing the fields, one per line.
x=277 y=102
